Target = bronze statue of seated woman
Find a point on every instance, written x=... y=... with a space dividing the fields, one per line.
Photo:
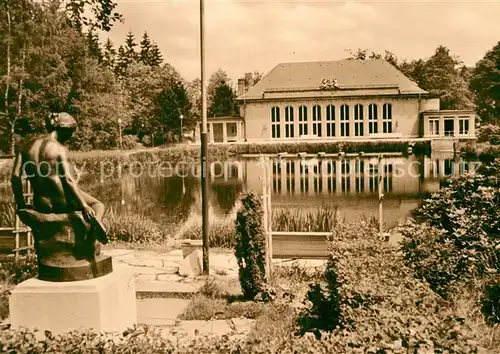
x=65 y=221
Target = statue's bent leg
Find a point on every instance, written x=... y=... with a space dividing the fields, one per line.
x=65 y=246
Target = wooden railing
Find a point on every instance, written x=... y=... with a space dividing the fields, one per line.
x=18 y=238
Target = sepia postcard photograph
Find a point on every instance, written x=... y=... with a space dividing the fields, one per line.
x=250 y=176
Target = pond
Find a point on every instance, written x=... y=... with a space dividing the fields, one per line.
x=349 y=184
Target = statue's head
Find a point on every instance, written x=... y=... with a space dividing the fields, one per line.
x=63 y=124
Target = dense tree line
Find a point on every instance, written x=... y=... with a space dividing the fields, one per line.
x=446 y=77
x=52 y=59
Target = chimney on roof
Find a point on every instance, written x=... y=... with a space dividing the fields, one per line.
x=241 y=87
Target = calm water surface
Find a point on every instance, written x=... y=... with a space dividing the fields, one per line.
x=351 y=184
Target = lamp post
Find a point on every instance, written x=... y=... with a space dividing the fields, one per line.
x=120 y=132
x=181 y=117
x=204 y=149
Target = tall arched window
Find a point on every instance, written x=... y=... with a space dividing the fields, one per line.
x=302 y=121
x=275 y=123
x=316 y=120
x=358 y=120
x=330 y=120
x=387 y=118
x=372 y=119
x=289 y=122
x=344 y=120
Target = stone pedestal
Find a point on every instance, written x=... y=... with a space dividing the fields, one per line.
x=107 y=303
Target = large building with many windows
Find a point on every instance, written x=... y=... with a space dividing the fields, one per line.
x=338 y=100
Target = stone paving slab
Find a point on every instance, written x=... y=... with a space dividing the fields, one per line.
x=173 y=288
x=160 y=311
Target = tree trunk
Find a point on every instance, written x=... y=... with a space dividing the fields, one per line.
x=19 y=105
x=7 y=81
x=12 y=138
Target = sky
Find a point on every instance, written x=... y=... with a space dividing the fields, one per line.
x=248 y=35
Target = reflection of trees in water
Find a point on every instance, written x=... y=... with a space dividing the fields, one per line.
x=162 y=198
x=226 y=194
x=178 y=195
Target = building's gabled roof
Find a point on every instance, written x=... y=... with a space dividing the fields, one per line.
x=352 y=77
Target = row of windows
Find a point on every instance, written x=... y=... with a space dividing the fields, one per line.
x=345 y=120
x=448 y=126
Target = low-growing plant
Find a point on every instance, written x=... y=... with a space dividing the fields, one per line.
x=490 y=304
x=461 y=240
x=15 y=272
x=7 y=214
x=132 y=228
x=250 y=245
x=4 y=301
x=322 y=219
x=296 y=273
x=203 y=308
x=433 y=258
x=324 y=312
x=221 y=233
x=489 y=133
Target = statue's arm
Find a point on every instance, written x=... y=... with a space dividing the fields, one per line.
x=67 y=178
x=17 y=182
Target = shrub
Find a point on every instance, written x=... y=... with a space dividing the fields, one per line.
x=324 y=312
x=430 y=254
x=13 y=272
x=130 y=142
x=384 y=310
x=421 y=148
x=491 y=302
x=132 y=228
x=489 y=133
x=462 y=240
x=250 y=246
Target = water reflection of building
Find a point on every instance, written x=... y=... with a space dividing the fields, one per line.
x=355 y=176
x=350 y=183
x=348 y=176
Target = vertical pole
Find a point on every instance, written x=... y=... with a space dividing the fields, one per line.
x=204 y=149
x=270 y=221
x=264 y=209
x=380 y=197
x=29 y=234
x=120 y=132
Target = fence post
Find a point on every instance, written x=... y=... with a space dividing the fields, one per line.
x=270 y=222
x=380 y=197
x=265 y=200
